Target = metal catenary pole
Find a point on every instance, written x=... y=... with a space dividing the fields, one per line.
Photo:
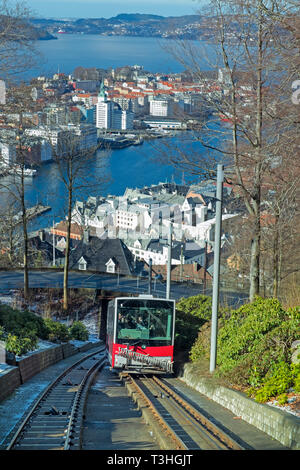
x=168 y=286
x=53 y=248
x=150 y=277
x=216 y=275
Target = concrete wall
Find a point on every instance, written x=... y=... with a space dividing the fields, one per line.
x=276 y=423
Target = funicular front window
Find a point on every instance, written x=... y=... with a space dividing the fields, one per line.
x=148 y=320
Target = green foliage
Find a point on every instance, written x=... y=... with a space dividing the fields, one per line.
x=197 y=306
x=297 y=383
x=282 y=399
x=186 y=330
x=191 y=314
x=20 y=345
x=281 y=377
x=78 y=331
x=201 y=347
x=252 y=340
x=245 y=331
x=18 y=323
x=57 y=332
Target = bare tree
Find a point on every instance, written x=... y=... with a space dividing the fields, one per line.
x=17 y=38
x=73 y=161
x=14 y=164
x=17 y=54
x=251 y=94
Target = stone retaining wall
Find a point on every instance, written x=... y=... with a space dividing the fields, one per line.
x=12 y=377
x=274 y=422
x=68 y=349
x=36 y=362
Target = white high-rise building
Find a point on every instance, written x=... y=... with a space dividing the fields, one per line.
x=104 y=111
x=2 y=92
x=104 y=114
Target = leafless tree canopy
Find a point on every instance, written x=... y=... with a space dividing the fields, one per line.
x=256 y=46
x=17 y=49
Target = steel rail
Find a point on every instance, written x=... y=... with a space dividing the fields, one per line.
x=179 y=444
x=44 y=394
x=205 y=429
x=212 y=427
x=83 y=387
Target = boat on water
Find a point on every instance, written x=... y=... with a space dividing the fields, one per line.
x=116 y=142
x=226 y=117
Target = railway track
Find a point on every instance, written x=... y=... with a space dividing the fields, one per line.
x=54 y=422
x=185 y=428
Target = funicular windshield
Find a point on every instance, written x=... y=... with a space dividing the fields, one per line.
x=148 y=320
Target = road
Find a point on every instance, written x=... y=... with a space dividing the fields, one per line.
x=110 y=282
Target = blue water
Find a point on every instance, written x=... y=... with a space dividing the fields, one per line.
x=111 y=173
x=107 y=173
x=72 y=50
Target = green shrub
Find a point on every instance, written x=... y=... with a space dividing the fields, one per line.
x=14 y=321
x=197 y=306
x=282 y=377
x=282 y=399
x=251 y=341
x=191 y=314
x=20 y=345
x=57 y=332
x=78 y=331
x=186 y=330
x=297 y=383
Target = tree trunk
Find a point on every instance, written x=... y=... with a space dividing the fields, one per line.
x=276 y=260
x=67 y=253
x=25 y=236
x=256 y=194
x=255 y=261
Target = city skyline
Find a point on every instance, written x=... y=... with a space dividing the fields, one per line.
x=108 y=9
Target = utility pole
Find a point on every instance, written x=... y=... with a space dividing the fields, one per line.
x=181 y=262
x=150 y=277
x=205 y=267
x=53 y=243
x=216 y=275
x=168 y=288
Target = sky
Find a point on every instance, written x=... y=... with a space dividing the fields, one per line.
x=110 y=8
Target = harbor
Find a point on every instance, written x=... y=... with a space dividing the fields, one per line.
x=120 y=140
x=32 y=212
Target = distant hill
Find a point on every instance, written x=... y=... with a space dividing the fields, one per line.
x=130 y=24
x=42 y=35
x=132 y=17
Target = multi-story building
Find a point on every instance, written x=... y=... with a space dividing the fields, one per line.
x=122 y=119
x=104 y=114
x=8 y=153
x=161 y=107
x=56 y=136
x=62 y=138
x=2 y=92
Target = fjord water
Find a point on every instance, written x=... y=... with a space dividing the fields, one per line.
x=113 y=172
x=72 y=50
